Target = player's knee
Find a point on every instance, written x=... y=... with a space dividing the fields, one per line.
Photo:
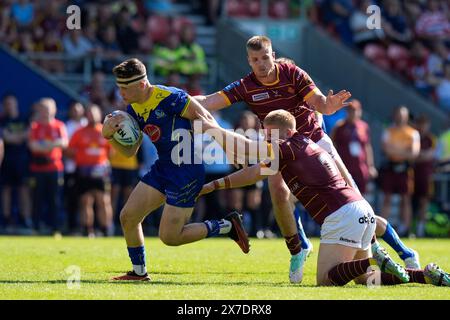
x=126 y=219
x=169 y=239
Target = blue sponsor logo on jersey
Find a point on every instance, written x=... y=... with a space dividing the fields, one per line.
x=232 y=86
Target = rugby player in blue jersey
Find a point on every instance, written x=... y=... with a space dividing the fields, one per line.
x=160 y=111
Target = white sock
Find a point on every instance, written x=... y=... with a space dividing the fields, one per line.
x=225 y=226
x=139 y=269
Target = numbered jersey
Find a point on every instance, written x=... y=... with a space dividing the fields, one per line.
x=313 y=177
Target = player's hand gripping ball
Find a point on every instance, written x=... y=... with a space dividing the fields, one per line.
x=129 y=132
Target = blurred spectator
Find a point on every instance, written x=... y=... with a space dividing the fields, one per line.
x=395 y=24
x=51 y=44
x=278 y=9
x=243 y=8
x=163 y=7
x=76 y=120
x=443 y=89
x=174 y=80
x=53 y=18
x=76 y=46
x=401 y=146
x=358 y=24
x=192 y=56
x=211 y=10
x=24 y=43
x=337 y=15
x=96 y=92
x=351 y=138
x=90 y=151
x=23 y=12
x=417 y=70
x=47 y=138
x=14 y=169
x=109 y=49
x=104 y=17
x=433 y=23
x=436 y=61
x=423 y=171
x=127 y=37
x=167 y=57
x=443 y=167
x=193 y=86
x=5 y=22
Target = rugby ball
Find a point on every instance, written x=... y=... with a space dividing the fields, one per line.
x=129 y=132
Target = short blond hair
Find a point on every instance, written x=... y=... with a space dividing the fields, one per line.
x=280 y=118
x=258 y=42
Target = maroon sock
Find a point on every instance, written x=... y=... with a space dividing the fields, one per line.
x=414 y=276
x=293 y=244
x=388 y=279
x=345 y=272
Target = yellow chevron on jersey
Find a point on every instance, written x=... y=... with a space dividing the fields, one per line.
x=143 y=109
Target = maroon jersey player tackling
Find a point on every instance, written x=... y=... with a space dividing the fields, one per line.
x=347 y=220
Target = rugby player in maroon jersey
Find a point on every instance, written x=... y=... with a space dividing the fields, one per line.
x=348 y=248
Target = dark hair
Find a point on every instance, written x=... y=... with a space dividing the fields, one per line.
x=258 y=42
x=129 y=68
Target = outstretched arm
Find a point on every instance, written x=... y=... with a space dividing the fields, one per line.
x=329 y=104
x=213 y=102
x=241 y=178
x=235 y=145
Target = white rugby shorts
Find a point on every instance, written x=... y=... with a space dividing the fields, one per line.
x=352 y=225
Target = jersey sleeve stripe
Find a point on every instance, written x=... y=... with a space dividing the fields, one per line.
x=225 y=97
x=188 y=102
x=315 y=90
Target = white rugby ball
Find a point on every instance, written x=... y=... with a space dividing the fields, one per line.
x=129 y=132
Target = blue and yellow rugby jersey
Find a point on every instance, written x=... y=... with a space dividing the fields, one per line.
x=159 y=117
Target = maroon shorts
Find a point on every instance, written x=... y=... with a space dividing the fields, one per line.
x=397 y=182
x=423 y=183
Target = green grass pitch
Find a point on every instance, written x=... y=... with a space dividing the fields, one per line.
x=39 y=268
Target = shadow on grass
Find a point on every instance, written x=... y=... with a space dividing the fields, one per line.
x=206 y=272
x=51 y=281
x=159 y=283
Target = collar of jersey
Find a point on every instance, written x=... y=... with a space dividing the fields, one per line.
x=144 y=109
x=276 y=81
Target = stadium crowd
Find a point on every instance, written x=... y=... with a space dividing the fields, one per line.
x=411 y=41
x=55 y=194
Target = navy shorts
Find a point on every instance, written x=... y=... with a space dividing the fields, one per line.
x=181 y=184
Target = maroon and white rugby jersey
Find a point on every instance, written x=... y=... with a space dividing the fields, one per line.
x=289 y=92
